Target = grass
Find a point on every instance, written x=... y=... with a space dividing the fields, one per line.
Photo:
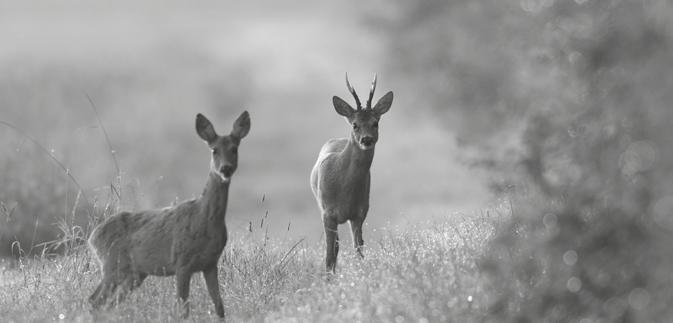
x=422 y=274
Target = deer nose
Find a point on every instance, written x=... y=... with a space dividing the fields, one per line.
x=227 y=170
x=367 y=141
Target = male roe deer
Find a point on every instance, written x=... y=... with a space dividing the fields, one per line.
x=178 y=240
x=340 y=177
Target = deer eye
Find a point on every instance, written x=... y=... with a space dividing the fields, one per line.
x=376 y=124
x=214 y=150
x=234 y=150
x=355 y=125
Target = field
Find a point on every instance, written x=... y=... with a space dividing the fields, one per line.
x=427 y=273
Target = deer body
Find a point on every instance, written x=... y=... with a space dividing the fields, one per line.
x=147 y=233
x=340 y=179
x=179 y=240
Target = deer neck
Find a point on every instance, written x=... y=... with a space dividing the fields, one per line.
x=214 y=199
x=355 y=160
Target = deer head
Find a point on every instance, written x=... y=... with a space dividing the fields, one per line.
x=364 y=121
x=224 y=159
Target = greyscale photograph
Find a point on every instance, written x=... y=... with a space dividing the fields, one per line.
x=342 y=161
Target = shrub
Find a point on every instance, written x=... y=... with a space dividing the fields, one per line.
x=589 y=238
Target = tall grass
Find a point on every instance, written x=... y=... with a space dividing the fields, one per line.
x=428 y=273
x=80 y=215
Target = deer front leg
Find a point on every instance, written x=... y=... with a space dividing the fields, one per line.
x=210 y=275
x=183 y=278
x=356 y=230
x=332 y=243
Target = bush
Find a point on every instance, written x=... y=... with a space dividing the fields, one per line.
x=589 y=239
x=567 y=104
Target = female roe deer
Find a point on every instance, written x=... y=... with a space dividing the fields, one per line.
x=178 y=240
x=340 y=177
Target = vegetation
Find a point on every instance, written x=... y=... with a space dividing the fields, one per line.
x=572 y=102
x=565 y=105
x=422 y=274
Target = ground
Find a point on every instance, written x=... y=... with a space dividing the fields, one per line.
x=426 y=273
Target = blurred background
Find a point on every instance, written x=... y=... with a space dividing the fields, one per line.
x=560 y=108
x=150 y=66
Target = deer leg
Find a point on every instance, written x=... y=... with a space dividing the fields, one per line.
x=94 y=299
x=332 y=243
x=140 y=278
x=117 y=273
x=210 y=275
x=102 y=292
x=183 y=278
x=356 y=230
x=132 y=282
x=105 y=289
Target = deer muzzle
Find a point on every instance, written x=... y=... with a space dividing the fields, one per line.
x=367 y=141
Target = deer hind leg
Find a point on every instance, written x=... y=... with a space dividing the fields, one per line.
x=183 y=278
x=104 y=290
x=116 y=271
x=113 y=285
x=356 y=230
x=95 y=298
x=113 y=276
x=332 y=243
x=128 y=284
x=210 y=275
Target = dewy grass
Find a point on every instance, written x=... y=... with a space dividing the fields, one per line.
x=419 y=275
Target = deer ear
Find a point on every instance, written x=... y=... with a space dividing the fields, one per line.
x=241 y=126
x=341 y=107
x=205 y=129
x=384 y=104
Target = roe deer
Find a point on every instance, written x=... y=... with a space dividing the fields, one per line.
x=340 y=177
x=178 y=240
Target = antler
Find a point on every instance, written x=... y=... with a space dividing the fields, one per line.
x=371 y=92
x=352 y=90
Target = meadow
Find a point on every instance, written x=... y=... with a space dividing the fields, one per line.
x=427 y=273
x=523 y=173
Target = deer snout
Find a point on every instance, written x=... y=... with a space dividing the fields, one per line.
x=367 y=141
x=227 y=170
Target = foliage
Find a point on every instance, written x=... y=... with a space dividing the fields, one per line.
x=571 y=105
